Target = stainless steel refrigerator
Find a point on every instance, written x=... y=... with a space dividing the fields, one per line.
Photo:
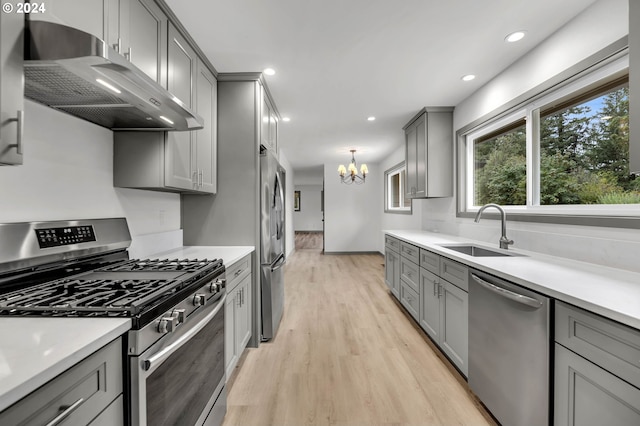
x=272 y=242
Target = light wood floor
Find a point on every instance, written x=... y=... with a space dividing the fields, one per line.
x=346 y=354
x=308 y=240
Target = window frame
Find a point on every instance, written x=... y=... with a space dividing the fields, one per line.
x=579 y=81
x=398 y=168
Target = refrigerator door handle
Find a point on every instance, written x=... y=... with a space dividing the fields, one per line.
x=279 y=263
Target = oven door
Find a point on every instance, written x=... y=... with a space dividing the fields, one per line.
x=178 y=380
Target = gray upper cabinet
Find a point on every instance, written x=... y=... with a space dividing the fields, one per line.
x=204 y=155
x=429 y=153
x=175 y=161
x=137 y=29
x=11 y=88
x=183 y=64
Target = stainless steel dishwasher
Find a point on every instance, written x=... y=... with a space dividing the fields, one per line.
x=509 y=350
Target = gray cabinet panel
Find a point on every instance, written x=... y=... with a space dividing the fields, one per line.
x=392 y=272
x=454 y=330
x=410 y=273
x=409 y=299
x=91 y=385
x=430 y=261
x=410 y=252
x=182 y=63
x=430 y=304
x=88 y=15
x=429 y=153
x=613 y=346
x=238 y=311
x=147 y=39
x=113 y=415
x=11 y=88
x=392 y=243
x=586 y=394
x=205 y=155
x=455 y=273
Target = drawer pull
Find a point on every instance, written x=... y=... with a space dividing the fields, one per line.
x=238 y=272
x=66 y=413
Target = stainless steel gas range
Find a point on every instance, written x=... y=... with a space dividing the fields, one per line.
x=175 y=348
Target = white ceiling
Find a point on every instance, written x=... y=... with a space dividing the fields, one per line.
x=340 y=61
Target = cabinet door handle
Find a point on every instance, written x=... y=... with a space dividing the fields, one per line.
x=200 y=178
x=66 y=413
x=194 y=177
x=435 y=288
x=439 y=290
x=20 y=121
x=127 y=55
x=118 y=46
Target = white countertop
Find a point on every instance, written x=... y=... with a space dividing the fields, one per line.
x=613 y=293
x=228 y=254
x=35 y=350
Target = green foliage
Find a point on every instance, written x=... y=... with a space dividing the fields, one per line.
x=620 y=198
x=584 y=157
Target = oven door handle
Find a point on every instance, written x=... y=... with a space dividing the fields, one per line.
x=158 y=358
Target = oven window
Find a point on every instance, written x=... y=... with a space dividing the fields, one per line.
x=179 y=390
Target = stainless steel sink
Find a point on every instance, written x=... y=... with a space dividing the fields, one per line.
x=477 y=251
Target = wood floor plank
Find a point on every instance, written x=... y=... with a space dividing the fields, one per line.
x=346 y=354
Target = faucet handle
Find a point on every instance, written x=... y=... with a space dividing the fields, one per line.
x=505 y=242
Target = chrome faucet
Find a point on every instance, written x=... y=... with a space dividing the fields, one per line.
x=504 y=241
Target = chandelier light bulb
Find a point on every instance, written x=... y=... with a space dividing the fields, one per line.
x=352 y=169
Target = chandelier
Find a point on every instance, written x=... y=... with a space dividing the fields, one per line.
x=352 y=176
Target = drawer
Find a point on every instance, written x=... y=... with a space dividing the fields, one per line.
x=613 y=346
x=410 y=251
x=409 y=299
x=90 y=386
x=237 y=271
x=392 y=243
x=430 y=261
x=410 y=273
x=454 y=272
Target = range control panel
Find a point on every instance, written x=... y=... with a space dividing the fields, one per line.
x=55 y=237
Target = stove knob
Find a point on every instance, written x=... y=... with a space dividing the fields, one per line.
x=167 y=324
x=199 y=300
x=217 y=286
x=178 y=314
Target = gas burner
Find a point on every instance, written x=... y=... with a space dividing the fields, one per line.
x=175 y=265
x=89 y=297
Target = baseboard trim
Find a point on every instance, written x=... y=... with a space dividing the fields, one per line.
x=352 y=252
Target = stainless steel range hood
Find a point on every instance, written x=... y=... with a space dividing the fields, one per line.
x=76 y=72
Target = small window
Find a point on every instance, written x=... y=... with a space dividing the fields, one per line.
x=395 y=201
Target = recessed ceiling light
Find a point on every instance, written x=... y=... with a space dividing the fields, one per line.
x=468 y=77
x=372 y=118
x=269 y=71
x=286 y=119
x=513 y=37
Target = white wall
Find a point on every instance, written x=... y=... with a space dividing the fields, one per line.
x=352 y=212
x=309 y=218
x=573 y=43
x=68 y=174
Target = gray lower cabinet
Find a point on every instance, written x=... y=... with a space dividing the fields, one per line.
x=11 y=88
x=597 y=370
x=392 y=271
x=392 y=265
x=586 y=394
x=238 y=307
x=88 y=393
x=444 y=312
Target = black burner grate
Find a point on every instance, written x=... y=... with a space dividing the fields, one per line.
x=166 y=265
x=87 y=297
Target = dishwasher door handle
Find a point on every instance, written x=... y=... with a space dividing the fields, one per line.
x=520 y=298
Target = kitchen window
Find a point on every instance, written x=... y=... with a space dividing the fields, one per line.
x=395 y=201
x=563 y=153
